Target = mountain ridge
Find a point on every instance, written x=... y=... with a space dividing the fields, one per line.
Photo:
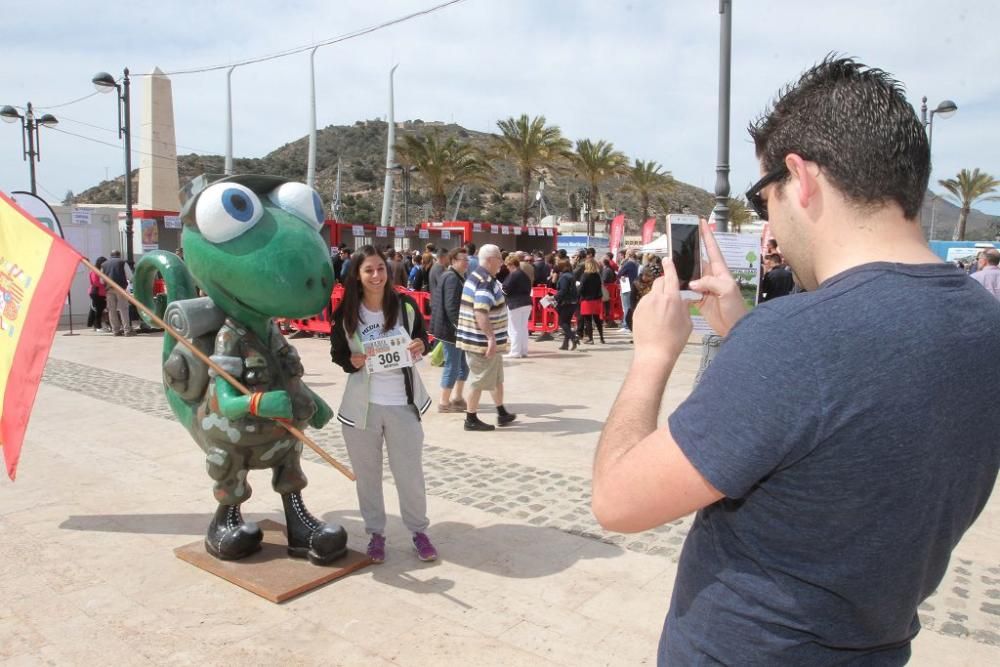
x=361 y=150
x=360 y=147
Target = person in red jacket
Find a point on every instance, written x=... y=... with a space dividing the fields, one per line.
x=98 y=299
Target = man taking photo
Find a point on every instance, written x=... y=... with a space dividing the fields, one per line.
x=827 y=514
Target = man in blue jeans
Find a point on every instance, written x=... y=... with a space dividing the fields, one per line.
x=828 y=513
x=446 y=300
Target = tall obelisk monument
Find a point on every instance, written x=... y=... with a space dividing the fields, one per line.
x=158 y=181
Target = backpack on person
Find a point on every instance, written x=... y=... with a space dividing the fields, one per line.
x=572 y=294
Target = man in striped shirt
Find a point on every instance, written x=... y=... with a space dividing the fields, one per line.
x=482 y=333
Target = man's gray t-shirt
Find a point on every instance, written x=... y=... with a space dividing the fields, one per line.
x=847 y=431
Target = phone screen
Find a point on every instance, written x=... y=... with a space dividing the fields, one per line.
x=685 y=250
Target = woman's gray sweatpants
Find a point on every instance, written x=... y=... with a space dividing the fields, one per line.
x=399 y=427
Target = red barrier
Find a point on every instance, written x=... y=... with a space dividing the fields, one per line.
x=614 y=305
x=319 y=324
x=336 y=296
x=542 y=319
x=423 y=300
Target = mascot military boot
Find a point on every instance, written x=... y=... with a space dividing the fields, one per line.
x=308 y=537
x=229 y=538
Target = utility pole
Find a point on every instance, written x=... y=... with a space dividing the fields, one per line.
x=336 y=195
x=228 y=169
x=311 y=165
x=390 y=157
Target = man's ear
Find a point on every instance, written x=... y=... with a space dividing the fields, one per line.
x=805 y=178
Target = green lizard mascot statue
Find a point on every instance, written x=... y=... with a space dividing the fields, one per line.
x=253 y=245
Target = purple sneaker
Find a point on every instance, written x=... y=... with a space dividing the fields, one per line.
x=425 y=550
x=376 y=548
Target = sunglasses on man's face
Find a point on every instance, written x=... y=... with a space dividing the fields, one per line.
x=758 y=203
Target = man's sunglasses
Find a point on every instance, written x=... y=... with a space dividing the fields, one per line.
x=758 y=203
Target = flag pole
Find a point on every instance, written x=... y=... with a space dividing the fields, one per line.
x=215 y=367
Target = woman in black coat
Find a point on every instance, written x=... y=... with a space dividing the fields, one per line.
x=517 y=293
x=567 y=298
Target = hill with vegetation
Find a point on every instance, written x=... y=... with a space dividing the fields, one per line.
x=360 y=151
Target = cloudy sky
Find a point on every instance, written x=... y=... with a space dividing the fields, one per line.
x=641 y=74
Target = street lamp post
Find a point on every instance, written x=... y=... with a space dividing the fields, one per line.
x=390 y=156
x=405 y=171
x=946 y=109
x=104 y=82
x=30 y=143
x=311 y=164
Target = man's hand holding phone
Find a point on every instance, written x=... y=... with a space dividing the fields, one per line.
x=661 y=325
x=721 y=301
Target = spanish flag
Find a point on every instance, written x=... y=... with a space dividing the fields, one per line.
x=36 y=268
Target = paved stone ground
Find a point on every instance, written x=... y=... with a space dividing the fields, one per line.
x=966 y=606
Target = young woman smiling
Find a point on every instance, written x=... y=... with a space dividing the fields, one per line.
x=384 y=397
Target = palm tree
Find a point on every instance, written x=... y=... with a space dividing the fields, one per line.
x=738 y=213
x=595 y=162
x=646 y=180
x=966 y=190
x=532 y=146
x=442 y=165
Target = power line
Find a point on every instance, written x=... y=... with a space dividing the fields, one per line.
x=134 y=150
x=281 y=54
x=134 y=135
x=108 y=143
x=301 y=49
x=47 y=191
x=66 y=104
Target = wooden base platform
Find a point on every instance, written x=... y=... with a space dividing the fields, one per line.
x=271 y=573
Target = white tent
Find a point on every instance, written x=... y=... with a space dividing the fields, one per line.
x=660 y=246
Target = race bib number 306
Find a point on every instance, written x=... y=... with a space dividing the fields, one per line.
x=387 y=353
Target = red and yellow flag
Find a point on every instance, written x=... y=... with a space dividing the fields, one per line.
x=36 y=268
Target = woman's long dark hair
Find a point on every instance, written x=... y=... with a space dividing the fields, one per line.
x=353 y=291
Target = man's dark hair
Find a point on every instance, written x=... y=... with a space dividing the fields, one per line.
x=993 y=257
x=773 y=257
x=455 y=252
x=855 y=123
x=470 y=248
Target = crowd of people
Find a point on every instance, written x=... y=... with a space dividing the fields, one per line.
x=110 y=312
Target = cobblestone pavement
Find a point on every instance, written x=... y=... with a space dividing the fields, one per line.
x=967 y=604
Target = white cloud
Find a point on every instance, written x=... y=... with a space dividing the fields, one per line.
x=642 y=74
